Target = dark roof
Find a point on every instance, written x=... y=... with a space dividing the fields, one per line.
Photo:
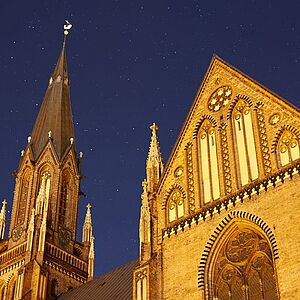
x=115 y=285
x=55 y=114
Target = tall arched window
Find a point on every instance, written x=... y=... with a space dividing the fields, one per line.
x=64 y=198
x=141 y=288
x=244 y=140
x=288 y=147
x=24 y=190
x=209 y=162
x=175 y=205
x=243 y=268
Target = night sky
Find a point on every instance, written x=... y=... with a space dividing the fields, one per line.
x=131 y=63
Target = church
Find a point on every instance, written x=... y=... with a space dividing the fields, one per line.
x=218 y=221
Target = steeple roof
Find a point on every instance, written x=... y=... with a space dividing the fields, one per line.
x=154 y=155
x=54 y=120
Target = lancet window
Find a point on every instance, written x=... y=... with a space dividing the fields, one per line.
x=245 y=143
x=288 y=147
x=24 y=190
x=209 y=162
x=64 y=198
x=244 y=268
x=141 y=285
x=175 y=205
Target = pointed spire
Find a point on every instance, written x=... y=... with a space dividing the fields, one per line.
x=87 y=232
x=3 y=219
x=55 y=114
x=154 y=163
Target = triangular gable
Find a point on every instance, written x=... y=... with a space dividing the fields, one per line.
x=242 y=86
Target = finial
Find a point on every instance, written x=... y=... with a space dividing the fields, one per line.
x=88 y=206
x=50 y=134
x=71 y=141
x=67 y=27
x=80 y=154
x=154 y=128
x=29 y=139
x=22 y=153
x=4 y=202
x=144 y=185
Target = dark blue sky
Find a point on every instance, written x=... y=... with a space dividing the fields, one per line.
x=131 y=63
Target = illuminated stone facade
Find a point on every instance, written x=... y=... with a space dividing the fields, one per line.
x=224 y=213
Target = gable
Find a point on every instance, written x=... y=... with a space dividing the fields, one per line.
x=231 y=138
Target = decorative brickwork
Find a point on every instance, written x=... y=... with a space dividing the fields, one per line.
x=225 y=158
x=263 y=138
x=190 y=177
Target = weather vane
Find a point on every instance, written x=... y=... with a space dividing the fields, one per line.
x=67 y=27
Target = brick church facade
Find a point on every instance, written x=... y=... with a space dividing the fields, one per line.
x=220 y=221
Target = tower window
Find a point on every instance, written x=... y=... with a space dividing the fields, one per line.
x=21 y=210
x=64 y=199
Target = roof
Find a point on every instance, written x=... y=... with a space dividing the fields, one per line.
x=115 y=285
x=55 y=114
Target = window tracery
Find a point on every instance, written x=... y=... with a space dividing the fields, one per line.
x=209 y=162
x=288 y=147
x=175 y=205
x=245 y=143
x=244 y=268
x=141 y=285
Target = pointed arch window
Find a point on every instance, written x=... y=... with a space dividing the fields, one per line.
x=175 y=205
x=245 y=143
x=288 y=147
x=243 y=268
x=209 y=162
x=141 y=288
x=24 y=191
x=64 y=198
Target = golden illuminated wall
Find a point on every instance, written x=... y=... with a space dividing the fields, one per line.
x=238 y=152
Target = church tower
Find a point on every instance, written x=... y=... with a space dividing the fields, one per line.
x=41 y=257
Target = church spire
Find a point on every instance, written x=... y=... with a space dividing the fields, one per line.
x=3 y=219
x=54 y=121
x=154 y=163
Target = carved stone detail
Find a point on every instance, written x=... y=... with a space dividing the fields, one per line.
x=220 y=98
x=190 y=177
x=263 y=138
x=225 y=158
